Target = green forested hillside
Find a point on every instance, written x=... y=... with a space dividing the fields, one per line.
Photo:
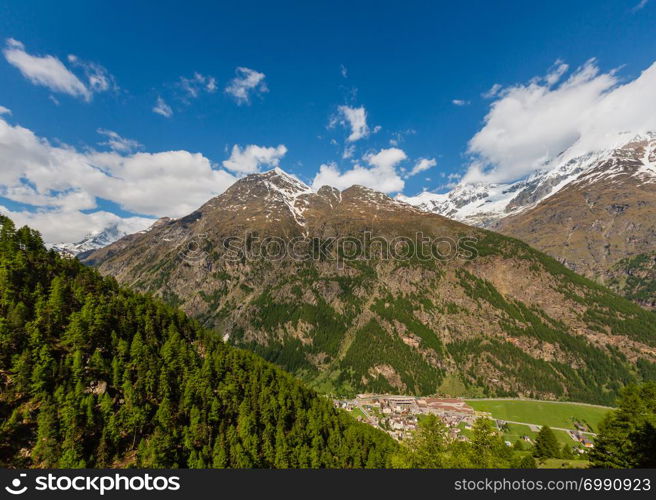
x=635 y=278
x=92 y=375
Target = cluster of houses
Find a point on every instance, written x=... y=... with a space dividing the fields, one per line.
x=583 y=440
x=399 y=415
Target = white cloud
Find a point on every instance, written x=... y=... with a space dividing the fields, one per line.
x=386 y=159
x=381 y=175
x=4 y=111
x=252 y=157
x=63 y=180
x=58 y=226
x=196 y=84
x=530 y=124
x=422 y=165
x=329 y=174
x=353 y=118
x=460 y=102
x=47 y=71
x=555 y=73
x=161 y=108
x=399 y=136
x=168 y=183
x=247 y=82
x=349 y=150
x=492 y=92
x=98 y=78
x=117 y=143
x=640 y=5
x=343 y=70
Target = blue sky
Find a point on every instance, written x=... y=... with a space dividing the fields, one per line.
x=404 y=64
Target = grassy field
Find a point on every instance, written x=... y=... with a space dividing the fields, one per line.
x=559 y=463
x=555 y=414
x=357 y=412
x=516 y=431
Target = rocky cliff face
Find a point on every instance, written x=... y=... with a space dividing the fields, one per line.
x=373 y=294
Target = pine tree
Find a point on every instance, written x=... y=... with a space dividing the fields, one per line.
x=487 y=447
x=627 y=436
x=528 y=462
x=546 y=444
x=566 y=452
x=46 y=450
x=426 y=449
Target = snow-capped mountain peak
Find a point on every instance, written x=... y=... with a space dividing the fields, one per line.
x=286 y=184
x=99 y=239
x=93 y=240
x=484 y=204
x=274 y=190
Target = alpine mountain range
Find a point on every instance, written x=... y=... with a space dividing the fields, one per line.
x=530 y=314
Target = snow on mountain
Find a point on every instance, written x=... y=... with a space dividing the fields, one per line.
x=484 y=204
x=99 y=239
x=289 y=190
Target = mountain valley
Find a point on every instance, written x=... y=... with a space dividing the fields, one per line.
x=491 y=316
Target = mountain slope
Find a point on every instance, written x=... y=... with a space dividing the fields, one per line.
x=604 y=216
x=483 y=314
x=589 y=212
x=635 y=278
x=92 y=375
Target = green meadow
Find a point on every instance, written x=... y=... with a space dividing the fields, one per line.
x=553 y=414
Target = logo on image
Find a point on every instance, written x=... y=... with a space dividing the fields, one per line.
x=15 y=488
